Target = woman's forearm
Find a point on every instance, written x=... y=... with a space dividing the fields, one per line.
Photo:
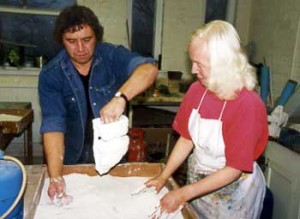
x=211 y=183
x=180 y=152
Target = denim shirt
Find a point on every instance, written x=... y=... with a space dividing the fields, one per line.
x=62 y=96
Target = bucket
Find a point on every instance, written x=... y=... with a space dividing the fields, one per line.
x=12 y=187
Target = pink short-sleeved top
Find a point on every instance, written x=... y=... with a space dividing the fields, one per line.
x=245 y=125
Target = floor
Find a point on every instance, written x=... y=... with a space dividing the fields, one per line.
x=15 y=149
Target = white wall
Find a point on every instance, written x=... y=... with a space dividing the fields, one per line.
x=112 y=14
x=180 y=19
x=242 y=19
x=275 y=31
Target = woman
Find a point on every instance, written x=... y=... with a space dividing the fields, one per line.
x=223 y=122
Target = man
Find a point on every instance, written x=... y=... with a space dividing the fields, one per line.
x=87 y=79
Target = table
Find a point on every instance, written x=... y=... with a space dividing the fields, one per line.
x=35 y=179
x=11 y=129
x=36 y=175
x=166 y=102
x=161 y=102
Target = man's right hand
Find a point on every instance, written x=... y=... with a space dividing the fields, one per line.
x=112 y=111
x=57 y=191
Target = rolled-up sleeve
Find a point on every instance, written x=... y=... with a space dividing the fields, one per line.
x=52 y=104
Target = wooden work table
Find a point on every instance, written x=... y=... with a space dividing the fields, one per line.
x=154 y=100
x=11 y=129
x=35 y=179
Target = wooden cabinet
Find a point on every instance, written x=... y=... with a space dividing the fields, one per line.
x=283 y=178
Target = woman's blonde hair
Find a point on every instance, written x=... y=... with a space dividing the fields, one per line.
x=230 y=69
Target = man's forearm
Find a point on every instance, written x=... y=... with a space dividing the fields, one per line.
x=141 y=79
x=54 y=152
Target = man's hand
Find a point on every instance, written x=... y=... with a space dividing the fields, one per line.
x=113 y=110
x=57 y=191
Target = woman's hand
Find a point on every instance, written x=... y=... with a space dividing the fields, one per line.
x=158 y=182
x=172 y=201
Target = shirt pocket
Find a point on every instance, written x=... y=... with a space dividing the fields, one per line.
x=70 y=103
x=107 y=89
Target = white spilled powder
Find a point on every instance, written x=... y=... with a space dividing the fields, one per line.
x=9 y=118
x=106 y=197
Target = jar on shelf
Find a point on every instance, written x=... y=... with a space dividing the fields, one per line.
x=137 y=147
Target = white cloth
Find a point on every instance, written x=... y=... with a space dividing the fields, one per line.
x=277 y=120
x=242 y=198
x=110 y=143
x=109 y=131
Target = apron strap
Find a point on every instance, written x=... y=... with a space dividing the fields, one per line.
x=202 y=98
x=221 y=114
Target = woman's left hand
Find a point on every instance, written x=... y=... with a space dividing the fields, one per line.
x=172 y=201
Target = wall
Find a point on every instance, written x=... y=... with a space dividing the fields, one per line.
x=112 y=15
x=274 y=29
x=242 y=19
x=272 y=26
x=180 y=19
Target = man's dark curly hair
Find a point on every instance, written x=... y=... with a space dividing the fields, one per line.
x=72 y=18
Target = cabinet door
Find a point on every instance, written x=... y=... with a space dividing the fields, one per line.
x=285 y=189
x=283 y=181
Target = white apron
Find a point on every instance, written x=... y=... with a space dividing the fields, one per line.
x=242 y=198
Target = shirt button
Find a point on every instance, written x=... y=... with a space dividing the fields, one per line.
x=91 y=87
x=94 y=104
x=73 y=99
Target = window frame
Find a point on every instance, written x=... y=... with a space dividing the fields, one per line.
x=30 y=11
x=158 y=26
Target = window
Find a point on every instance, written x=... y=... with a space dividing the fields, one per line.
x=145 y=27
x=142 y=26
x=220 y=9
x=26 y=30
x=215 y=9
